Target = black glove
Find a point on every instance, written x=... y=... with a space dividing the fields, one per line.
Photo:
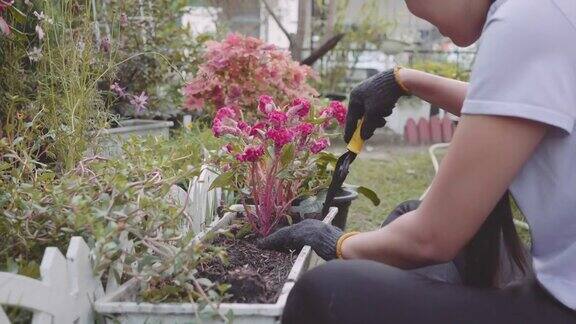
x=372 y=99
x=320 y=236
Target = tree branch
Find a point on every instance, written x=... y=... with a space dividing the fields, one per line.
x=323 y=49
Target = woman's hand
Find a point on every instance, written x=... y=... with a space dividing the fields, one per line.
x=374 y=100
x=320 y=236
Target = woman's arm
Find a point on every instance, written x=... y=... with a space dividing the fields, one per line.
x=445 y=93
x=484 y=157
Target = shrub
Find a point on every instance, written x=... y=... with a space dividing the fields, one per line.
x=119 y=206
x=238 y=69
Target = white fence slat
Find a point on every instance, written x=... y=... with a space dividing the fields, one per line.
x=66 y=292
x=85 y=288
x=54 y=273
x=3 y=318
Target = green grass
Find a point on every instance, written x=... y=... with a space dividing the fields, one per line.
x=401 y=177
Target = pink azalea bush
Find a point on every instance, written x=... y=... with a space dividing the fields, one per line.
x=240 y=68
x=273 y=155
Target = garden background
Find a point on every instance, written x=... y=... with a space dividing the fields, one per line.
x=106 y=105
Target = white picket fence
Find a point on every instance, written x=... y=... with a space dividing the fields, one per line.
x=67 y=289
x=64 y=294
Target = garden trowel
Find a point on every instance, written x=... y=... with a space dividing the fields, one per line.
x=342 y=165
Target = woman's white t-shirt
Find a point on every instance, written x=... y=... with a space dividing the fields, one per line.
x=526 y=68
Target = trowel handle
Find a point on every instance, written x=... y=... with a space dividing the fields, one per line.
x=356 y=142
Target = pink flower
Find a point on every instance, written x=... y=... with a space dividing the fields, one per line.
x=224 y=122
x=266 y=104
x=123 y=20
x=139 y=102
x=105 y=44
x=300 y=107
x=250 y=154
x=258 y=129
x=304 y=129
x=118 y=90
x=277 y=118
x=280 y=136
x=4 y=27
x=319 y=145
x=335 y=110
x=225 y=112
x=228 y=148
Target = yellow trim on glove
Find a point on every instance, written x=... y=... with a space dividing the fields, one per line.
x=398 y=80
x=356 y=142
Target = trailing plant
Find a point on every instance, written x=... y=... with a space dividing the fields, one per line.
x=240 y=68
x=272 y=159
x=121 y=207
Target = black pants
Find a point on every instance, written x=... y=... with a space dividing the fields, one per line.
x=367 y=292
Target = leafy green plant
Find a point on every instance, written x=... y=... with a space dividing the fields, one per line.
x=120 y=207
x=51 y=77
x=156 y=49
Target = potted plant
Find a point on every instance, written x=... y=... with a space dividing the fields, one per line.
x=269 y=162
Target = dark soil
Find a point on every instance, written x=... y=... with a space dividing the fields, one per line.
x=255 y=275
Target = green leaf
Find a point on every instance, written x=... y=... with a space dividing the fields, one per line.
x=370 y=194
x=223 y=180
x=287 y=154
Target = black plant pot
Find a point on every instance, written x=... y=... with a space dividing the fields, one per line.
x=343 y=201
x=312 y=206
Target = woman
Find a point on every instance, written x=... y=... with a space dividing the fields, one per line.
x=516 y=131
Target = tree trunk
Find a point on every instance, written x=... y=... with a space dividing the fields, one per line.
x=304 y=7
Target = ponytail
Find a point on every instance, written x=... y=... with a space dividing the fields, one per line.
x=482 y=255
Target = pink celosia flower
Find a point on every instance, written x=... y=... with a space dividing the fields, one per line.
x=139 y=102
x=250 y=154
x=335 y=110
x=224 y=122
x=319 y=145
x=280 y=136
x=300 y=107
x=118 y=90
x=225 y=112
x=258 y=129
x=266 y=104
x=277 y=118
x=256 y=153
x=304 y=129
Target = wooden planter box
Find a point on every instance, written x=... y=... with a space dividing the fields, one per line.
x=120 y=305
x=111 y=139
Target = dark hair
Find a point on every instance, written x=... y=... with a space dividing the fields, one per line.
x=482 y=255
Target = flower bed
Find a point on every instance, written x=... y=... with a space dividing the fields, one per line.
x=123 y=307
